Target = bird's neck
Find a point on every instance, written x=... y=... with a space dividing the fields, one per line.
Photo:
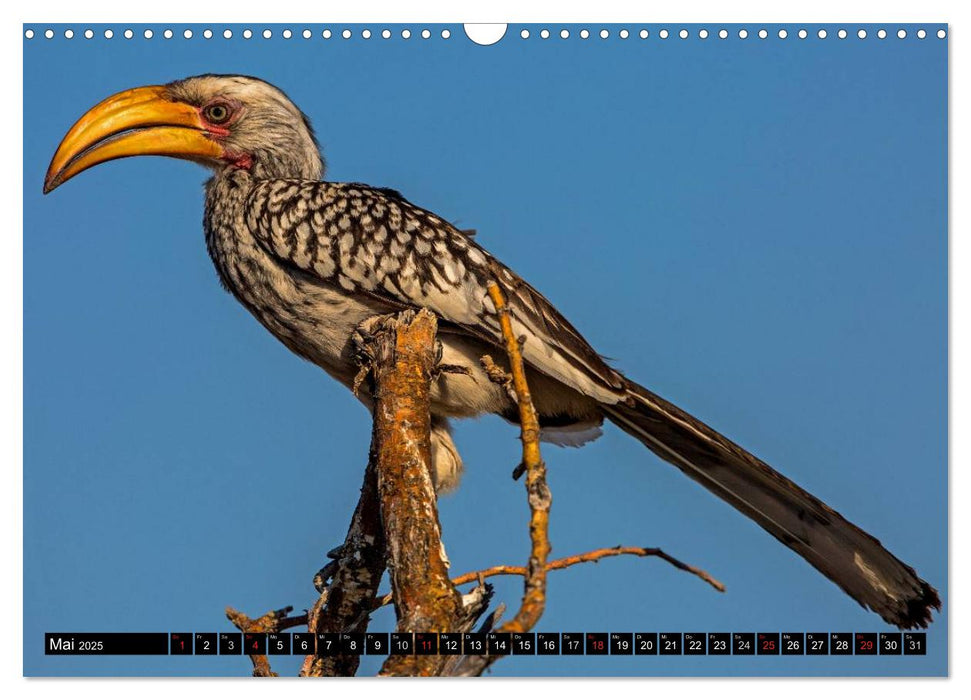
x=297 y=163
x=234 y=180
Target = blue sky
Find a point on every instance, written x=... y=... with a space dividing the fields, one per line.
x=755 y=229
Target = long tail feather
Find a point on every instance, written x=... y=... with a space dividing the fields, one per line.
x=848 y=556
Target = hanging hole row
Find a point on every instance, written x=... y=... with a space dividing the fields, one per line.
x=724 y=33
x=446 y=34
x=246 y=34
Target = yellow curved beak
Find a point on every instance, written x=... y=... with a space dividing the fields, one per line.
x=138 y=122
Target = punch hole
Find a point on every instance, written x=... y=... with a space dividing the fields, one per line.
x=446 y=34
x=902 y=34
x=882 y=34
x=109 y=34
x=941 y=34
x=386 y=34
x=803 y=33
x=167 y=34
x=227 y=34
x=327 y=34
x=921 y=34
x=861 y=33
x=702 y=34
x=743 y=34
x=841 y=33
x=405 y=33
x=663 y=34
x=425 y=34
x=524 y=34
x=287 y=34
x=129 y=34
x=604 y=34
x=29 y=34
x=783 y=33
x=149 y=34
x=763 y=34
x=585 y=34
x=188 y=33
x=821 y=33
x=346 y=34
x=489 y=34
x=366 y=34
x=68 y=33
x=88 y=34
x=545 y=34
x=722 y=33
x=247 y=33
x=624 y=33
x=267 y=34
x=207 y=34
x=306 y=34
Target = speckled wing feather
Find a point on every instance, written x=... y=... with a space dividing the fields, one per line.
x=373 y=241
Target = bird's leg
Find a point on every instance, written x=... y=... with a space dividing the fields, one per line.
x=444 y=368
x=362 y=343
x=361 y=340
x=501 y=377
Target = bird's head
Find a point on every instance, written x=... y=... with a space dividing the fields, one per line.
x=221 y=121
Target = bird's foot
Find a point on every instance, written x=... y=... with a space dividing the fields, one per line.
x=362 y=344
x=499 y=376
x=441 y=368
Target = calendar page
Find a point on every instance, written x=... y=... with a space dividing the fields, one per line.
x=614 y=350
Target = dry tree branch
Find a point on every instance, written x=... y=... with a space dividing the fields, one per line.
x=538 y=493
x=273 y=621
x=402 y=358
x=593 y=556
x=540 y=498
x=344 y=604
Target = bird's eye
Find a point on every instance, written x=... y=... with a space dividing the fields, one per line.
x=216 y=113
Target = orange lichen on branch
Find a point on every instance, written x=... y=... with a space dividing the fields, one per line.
x=402 y=359
x=534 y=594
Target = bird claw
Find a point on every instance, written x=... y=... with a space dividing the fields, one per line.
x=499 y=376
x=362 y=343
x=443 y=368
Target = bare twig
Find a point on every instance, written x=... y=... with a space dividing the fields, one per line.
x=592 y=556
x=534 y=585
x=273 y=621
x=540 y=499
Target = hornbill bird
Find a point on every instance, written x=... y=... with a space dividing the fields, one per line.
x=312 y=260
